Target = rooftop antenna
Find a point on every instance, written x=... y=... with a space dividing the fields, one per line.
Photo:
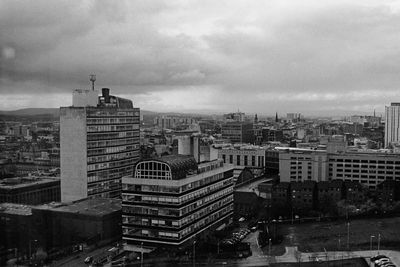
x=92 y=78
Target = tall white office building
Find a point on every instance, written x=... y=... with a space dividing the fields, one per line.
x=99 y=143
x=392 y=124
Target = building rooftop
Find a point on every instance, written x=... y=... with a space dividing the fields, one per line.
x=21 y=182
x=15 y=209
x=253 y=187
x=91 y=207
x=301 y=185
x=330 y=184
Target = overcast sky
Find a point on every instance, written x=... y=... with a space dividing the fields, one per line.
x=206 y=55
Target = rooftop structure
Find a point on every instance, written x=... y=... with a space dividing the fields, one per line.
x=30 y=190
x=15 y=209
x=90 y=207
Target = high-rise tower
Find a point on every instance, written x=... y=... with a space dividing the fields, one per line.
x=392 y=124
x=99 y=142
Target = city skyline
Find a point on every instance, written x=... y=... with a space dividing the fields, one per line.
x=309 y=57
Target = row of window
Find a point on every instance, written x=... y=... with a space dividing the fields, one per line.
x=111 y=157
x=365 y=171
x=245 y=162
x=375 y=166
x=113 y=164
x=104 y=186
x=111 y=135
x=111 y=112
x=176 y=200
x=150 y=188
x=111 y=128
x=110 y=150
x=364 y=161
x=112 y=120
x=140 y=232
x=140 y=220
x=115 y=142
x=109 y=174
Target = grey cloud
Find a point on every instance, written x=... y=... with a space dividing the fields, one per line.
x=138 y=47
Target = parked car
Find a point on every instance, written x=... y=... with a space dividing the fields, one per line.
x=378 y=257
x=381 y=261
x=88 y=260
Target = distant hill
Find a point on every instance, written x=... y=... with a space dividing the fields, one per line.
x=49 y=111
x=32 y=112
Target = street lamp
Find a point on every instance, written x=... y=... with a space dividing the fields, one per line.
x=379 y=242
x=141 y=254
x=194 y=253
x=30 y=248
x=370 y=242
x=269 y=247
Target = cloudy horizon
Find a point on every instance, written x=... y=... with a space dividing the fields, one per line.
x=217 y=56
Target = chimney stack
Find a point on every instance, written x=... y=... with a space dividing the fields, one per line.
x=106 y=94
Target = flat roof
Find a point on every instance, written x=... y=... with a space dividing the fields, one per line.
x=92 y=207
x=16 y=209
x=253 y=186
x=20 y=182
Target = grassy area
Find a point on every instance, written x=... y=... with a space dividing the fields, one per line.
x=358 y=262
x=313 y=237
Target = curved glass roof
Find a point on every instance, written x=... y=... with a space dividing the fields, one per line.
x=180 y=165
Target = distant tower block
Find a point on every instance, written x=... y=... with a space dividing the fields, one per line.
x=92 y=79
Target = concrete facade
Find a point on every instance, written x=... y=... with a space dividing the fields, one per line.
x=392 y=124
x=73 y=144
x=367 y=168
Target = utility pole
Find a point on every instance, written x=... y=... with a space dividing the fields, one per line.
x=348 y=235
x=194 y=253
x=379 y=242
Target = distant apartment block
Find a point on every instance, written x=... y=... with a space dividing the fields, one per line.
x=367 y=168
x=171 y=122
x=392 y=124
x=30 y=190
x=99 y=142
x=238 y=132
x=172 y=200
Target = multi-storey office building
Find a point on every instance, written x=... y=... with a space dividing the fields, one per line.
x=367 y=168
x=172 y=200
x=238 y=132
x=392 y=124
x=245 y=156
x=99 y=142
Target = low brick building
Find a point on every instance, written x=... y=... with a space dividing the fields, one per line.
x=303 y=195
